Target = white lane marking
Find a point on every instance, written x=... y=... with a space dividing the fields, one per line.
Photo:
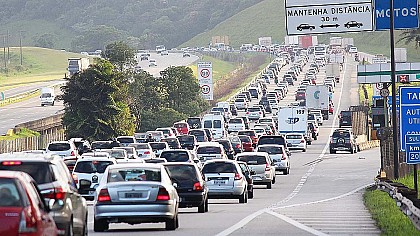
x=241 y=223
x=297 y=224
x=252 y=216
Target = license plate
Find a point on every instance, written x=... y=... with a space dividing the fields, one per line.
x=133 y=195
x=256 y=177
x=219 y=182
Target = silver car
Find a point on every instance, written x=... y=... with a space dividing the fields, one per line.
x=261 y=163
x=144 y=150
x=224 y=179
x=279 y=156
x=135 y=193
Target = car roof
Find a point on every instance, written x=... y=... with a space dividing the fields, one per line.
x=28 y=156
x=135 y=164
x=14 y=174
x=252 y=154
x=209 y=144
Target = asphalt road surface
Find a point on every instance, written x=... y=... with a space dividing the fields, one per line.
x=29 y=110
x=322 y=195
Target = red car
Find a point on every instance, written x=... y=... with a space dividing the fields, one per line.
x=251 y=134
x=22 y=207
x=246 y=143
x=182 y=127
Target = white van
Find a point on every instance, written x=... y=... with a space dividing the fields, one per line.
x=216 y=123
x=47 y=96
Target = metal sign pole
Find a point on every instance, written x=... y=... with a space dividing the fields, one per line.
x=394 y=92
x=416 y=187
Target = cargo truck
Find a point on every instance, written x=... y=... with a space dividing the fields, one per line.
x=76 y=65
x=332 y=70
x=318 y=98
x=292 y=120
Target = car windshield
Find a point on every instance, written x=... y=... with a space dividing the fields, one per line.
x=40 y=171
x=175 y=156
x=219 y=167
x=271 y=149
x=89 y=167
x=158 y=146
x=208 y=150
x=59 y=146
x=9 y=193
x=182 y=173
x=134 y=174
x=253 y=160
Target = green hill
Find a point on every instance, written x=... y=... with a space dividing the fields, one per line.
x=267 y=18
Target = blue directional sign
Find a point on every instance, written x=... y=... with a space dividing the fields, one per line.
x=412 y=148
x=406 y=15
x=409 y=113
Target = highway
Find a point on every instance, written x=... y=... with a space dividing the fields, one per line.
x=322 y=195
x=29 y=110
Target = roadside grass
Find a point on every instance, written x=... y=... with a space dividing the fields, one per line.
x=389 y=218
x=220 y=68
x=408 y=180
x=39 y=64
x=23 y=133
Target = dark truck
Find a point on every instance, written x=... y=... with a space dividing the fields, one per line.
x=345 y=119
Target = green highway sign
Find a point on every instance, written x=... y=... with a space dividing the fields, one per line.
x=381 y=73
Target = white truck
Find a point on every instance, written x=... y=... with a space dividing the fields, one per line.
x=47 y=96
x=318 y=98
x=293 y=120
x=333 y=70
x=76 y=65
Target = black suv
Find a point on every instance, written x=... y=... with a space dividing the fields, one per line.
x=194 y=122
x=190 y=185
x=345 y=119
x=187 y=141
x=343 y=140
x=68 y=207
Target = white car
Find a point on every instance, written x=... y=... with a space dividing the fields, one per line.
x=296 y=141
x=131 y=151
x=120 y=155
x=318 y=116
x=241 y=103
x=144 y=150
x=167 y=132
x=91 y=168
x=159 y=147
x=236 y=124
x=279 y=156
x=210 y=150
x=62 y=148
x=224 y=179
x=254 y=113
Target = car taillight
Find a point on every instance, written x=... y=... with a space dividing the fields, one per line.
x=163 y=195
x=247 y=112
x=267 y=167
x=103 y=195
x=283 y=157
x=75 y=178
x=72 y=153
x=197 y=186
x=302 y=141
x=260 y=113
x=57 y=193
x=27 y=222
x=238 y=145
x=238 y=176
x=11 y=163
x=147 y=152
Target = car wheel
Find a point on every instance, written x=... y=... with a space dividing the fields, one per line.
x=100 y=225
x=316 y=137
x=332 y=151
x=274 y=180
x=69 y=230
x=352 y=150
x=202 y=207
x=207 y=205
x=310 y=143
x=269 y=185
x=242 y=197
x=85 y=230
x=172 y=223
x=304 y=150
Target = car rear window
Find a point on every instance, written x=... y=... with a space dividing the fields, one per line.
x=293 y=136
x=140 y=146
x=253 y=160
x=128 y=150
x=208 y=124
x=236 y=121
x=175 y=156
x=158 y=146
x=40 y=171
x=101 y=145
x=197 y=132
x=125 y=140
x=89 y=167
x=134 y=174
x=180 y=125
x=271 y=140
x=59 y=146
x=345 y=113
x=341 y=135
x=186 y=139
x=182 y=173
x=240 y=100
x=254 y=109
x=208 y=150
x=248 y=133
x=271 y=149
x=245 y=139
x=219 y=167
x=9 y=193
x=117 y=154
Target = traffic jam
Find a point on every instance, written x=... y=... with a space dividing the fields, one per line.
x=148 y=177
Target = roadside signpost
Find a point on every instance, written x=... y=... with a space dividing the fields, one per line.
x=409 y=113
x=405 y=14
x=205 y=79
x=381 y=73
x=412 y=154
x=328 y=16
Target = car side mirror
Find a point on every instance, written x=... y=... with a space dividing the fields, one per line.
x=252 y=172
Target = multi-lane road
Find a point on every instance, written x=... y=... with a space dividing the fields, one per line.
x=29 y=110
x=322 y=195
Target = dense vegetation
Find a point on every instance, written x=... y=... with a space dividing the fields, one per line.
x=89 y=25
x=110 y=98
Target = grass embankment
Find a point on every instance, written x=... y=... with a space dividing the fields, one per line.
x=220 y=68
x=387 y=215
x=39 y=64
x=408 y=180
x=23 y=133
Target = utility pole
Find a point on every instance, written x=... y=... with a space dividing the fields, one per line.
x=4 y=52
x=20 y=45
x=8 y=47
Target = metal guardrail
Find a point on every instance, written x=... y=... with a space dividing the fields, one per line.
x=405 y=204
x=18 y=97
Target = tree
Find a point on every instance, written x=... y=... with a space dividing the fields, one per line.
x=181 y=87
x=411 y=36
x=95 y=104
x=120 y=55
x=44 y=41
x=164 y=117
